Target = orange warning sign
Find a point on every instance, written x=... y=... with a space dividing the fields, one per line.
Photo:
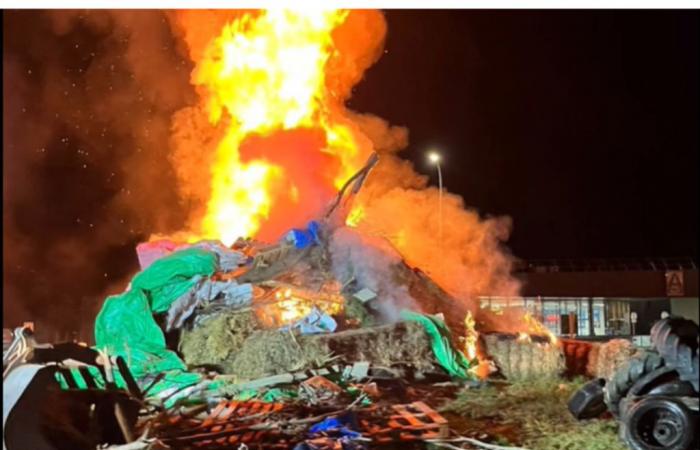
x=674 y=283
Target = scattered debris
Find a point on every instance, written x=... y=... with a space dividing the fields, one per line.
x=364 y=295
x=318 y=389
x=314 y=322
x=412 y=422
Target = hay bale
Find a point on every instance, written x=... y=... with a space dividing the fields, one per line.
x=522 y=360
x=217 y=339
x=577 y=355
x=605 y=359
x=402 y=343
x=271 y=352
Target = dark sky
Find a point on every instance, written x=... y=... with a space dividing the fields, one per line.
x=581 y=126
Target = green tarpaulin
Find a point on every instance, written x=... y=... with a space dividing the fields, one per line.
x=452 y=360
x=125 y=326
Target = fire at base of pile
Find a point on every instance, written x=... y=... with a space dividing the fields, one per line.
x=236 y=344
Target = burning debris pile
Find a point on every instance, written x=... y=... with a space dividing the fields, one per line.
x=300 y=332
x=254 y=309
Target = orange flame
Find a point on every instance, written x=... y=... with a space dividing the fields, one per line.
x=535 y=326
x=524 y=337
x=471 y=336
x=264 y=74
x=484 y=366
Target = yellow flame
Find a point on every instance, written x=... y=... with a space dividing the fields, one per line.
x=355 y=216
x=471 y=336
x=265 y=72
x=536 y=326
x=292 y=304
x=524 y=337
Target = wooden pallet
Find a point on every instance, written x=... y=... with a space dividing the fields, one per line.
x=414 y=421
x=228 y=424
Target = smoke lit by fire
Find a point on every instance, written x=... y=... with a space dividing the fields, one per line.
x=270 y=141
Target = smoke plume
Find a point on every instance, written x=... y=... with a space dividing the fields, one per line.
x=88 y=101
x=370 y=261
x=468 y=259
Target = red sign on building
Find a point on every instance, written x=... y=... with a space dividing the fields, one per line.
x=674 y=283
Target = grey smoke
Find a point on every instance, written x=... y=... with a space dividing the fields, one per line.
x=369 y=261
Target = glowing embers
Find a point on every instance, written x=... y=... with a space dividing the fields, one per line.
x=284 y=305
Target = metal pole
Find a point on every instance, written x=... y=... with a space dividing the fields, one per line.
x=440 y=213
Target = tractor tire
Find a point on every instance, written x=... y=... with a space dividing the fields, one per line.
x=657 y=422
x=621 y=382
x=676 y=340
x=589 y=401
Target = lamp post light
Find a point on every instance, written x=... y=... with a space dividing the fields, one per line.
x=434 y=158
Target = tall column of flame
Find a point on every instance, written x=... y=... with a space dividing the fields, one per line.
x=262 y=74
x=471 y=337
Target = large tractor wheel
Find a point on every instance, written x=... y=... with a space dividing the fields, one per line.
x=656 y=423
x=589 y=401
x=676 y=340
x=619 y=385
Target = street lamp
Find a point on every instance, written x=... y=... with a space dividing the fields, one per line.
x=434 y=158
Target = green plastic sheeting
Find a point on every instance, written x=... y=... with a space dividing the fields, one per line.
x=125 y=326
x=97 y=377
x=453 y=361
x=270 y=396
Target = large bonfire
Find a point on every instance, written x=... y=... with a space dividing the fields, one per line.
x=269 y=147
x=271 y=141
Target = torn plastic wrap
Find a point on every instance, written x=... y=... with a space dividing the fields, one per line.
x=228 y=259
x=230 y=293
x=149 y=252
x=315 y=322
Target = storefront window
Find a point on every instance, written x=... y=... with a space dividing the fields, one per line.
x=516 y=302
x=583 y=319
x=550 y=314
x=484 y=302
x=599 y=317
x=617 y=313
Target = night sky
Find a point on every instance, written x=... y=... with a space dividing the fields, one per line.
x=581 y=126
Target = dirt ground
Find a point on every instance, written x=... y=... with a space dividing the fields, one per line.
x=530 y=414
